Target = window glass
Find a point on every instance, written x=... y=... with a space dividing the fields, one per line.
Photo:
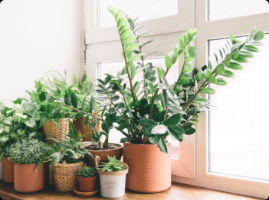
x=224 y=9
x=146 y=9
x=238 y=126
x=114 y=67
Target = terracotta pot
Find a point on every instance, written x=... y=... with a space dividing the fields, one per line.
x=103 y=155
x=77 y=125
x=150 y=169
x=8 y=170
x=26 y=179
x=87 y=184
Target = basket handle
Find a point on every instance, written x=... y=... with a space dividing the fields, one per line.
x=97 y=160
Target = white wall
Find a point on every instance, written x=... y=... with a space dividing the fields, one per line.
x=36 y=36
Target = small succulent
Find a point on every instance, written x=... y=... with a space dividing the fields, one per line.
x=87 y=172
x=113 y=165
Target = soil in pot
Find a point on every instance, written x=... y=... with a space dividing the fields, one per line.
x=87 y=184
x=114 y=150
x=150 y=169
x=26 y=179
x=8 y=170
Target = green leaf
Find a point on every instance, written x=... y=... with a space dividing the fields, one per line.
x=55 y=109
x=160 y=72
x=220 y=81
x=228 y=73
x=200 y=100
x=227 y=59
x=163 y=145
x=115 y=98
x=107 y=79
x=241 y=60
x=154 y=139
x=129 y=40
x=251 y=48
x=105 y=126
x=74 y=100
x=211 y=79
x=188 y=128
x=91 y=104
x=173 y=120
x=133 y=71
x=175 y=53
x=133 y=58
x=93 y=124
x=132 y=47
x=220 y=69
x=176 y=132
x=200 y=76
x=207 y=73
x=232 y=38
x=235 y=66
x=207 y=90
x=146 y=43
x=258 y=36
x=86 y=121
x=147 y=123
x=235 y=54
x=168 y=61
x=67 y=98
x=186 y=70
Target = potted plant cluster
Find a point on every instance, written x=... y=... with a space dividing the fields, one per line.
x=15 y=123
x=112 y=177
x=28 y=155
x=160 y=109
x=67 y=157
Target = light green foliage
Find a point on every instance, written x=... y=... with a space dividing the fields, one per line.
x=16 y=123
x=28 y=151
x=67 y=150
x=113 y=165
x=86 y=172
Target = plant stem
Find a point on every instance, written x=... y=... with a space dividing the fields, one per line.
x=179 y=77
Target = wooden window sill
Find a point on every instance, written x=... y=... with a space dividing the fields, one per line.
x=176 y=192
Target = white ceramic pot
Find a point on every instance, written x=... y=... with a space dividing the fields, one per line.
x=112 y=186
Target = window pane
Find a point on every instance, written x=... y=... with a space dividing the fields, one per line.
x=238 y=126
x=145 y=9
x=114 y=67
x=224 y=9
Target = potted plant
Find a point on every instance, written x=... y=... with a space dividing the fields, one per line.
x=112 y=177
x=67 y=157
x=86 y=89
x=15 y=123
x=87 y=179
x=28 y=155
x=160 y=109
x=50 y=90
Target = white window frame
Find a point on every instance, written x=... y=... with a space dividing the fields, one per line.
x=213 y=30
x=103 y=45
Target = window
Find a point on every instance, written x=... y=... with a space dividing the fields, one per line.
x=148 y=9
x=224 y=9
x=238 y=132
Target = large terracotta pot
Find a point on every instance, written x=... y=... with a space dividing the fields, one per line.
x=26 y=179
x=87 y=184
x=149 y=168
x=103 y=155
x=8 y=170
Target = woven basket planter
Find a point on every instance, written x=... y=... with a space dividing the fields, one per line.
x=87 y=130
x=66 y=176
x=51 y=131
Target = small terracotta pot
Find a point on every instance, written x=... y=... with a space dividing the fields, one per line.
x=8 y=170
x=103 y=155
x=77 y=125
x=87 y=184
x=26 y=179
x=150 y=169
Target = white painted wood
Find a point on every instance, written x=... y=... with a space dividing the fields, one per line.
x=112 y=186
x=212 y=30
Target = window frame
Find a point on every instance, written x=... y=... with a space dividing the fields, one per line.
x=209 y=30
x=103 y=45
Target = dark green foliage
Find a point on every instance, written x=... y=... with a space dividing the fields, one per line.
x=86 y=172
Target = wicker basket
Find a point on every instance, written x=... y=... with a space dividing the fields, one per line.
x=51 y=131
x=87 y=130
x=66 y=176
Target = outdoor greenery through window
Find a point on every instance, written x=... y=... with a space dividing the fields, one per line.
x=238 y=131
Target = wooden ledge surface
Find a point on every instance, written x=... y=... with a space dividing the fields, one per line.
x=176 y=192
